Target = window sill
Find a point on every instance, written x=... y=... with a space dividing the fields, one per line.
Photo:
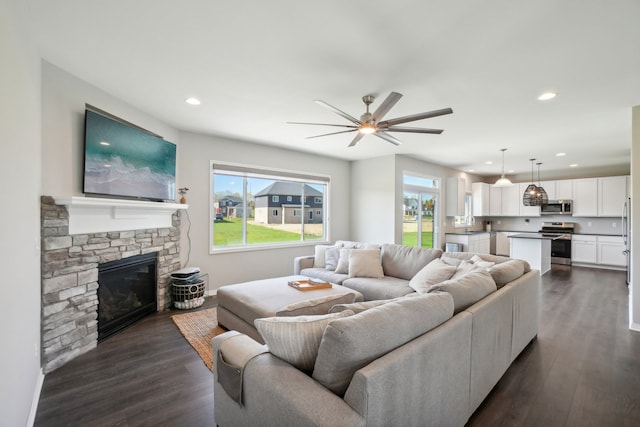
x=265 y=247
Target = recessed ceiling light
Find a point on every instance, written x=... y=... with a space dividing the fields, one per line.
x=573 y=165
x=105 y=143
x=192 y=101
x=510 y=171
x=561 y=154
x=471 y=170
x=547 y=96
x=488 y=162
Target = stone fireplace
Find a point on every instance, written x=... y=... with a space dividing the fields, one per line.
x=70 y=260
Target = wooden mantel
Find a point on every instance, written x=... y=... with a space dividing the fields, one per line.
x=98 y=215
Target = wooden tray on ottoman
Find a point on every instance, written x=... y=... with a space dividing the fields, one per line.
x=309 y=285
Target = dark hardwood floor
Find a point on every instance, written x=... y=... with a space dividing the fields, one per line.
x=582 y=370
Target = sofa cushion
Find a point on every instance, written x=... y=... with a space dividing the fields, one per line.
x=506 y=272
x=405 y=261
x=361 y=306
x=331 y=256
x=434 y=272
x=455 y=258
x=479 y=262
x=468 y=289
x=374 y=289
x=463 y=268
x=365 y=263
x=296 y=339
x=320 y=305
x=324 y=274
x=351 y=343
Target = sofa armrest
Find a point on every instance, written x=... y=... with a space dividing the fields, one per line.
x=277 y=394
x=302 y=262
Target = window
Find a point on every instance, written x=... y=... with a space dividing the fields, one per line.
x=254 y=224
x=467 y=220
x=317 y=200
x=419 y=223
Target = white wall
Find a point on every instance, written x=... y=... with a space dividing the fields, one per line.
x=373 y=200
x=634 y=299
x=196 y=151
x=63 y=104
x=20 y=374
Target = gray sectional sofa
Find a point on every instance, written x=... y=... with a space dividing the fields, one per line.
x=414 y=352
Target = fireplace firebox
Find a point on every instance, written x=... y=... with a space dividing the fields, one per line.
x=126 y=292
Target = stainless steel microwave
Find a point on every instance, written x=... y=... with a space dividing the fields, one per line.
x=557 y=207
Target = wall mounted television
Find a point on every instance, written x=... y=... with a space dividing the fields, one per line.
x=125 y=161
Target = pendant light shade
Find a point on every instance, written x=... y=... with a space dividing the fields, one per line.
x=530 y=197
x=543 y=198
x=503 y=182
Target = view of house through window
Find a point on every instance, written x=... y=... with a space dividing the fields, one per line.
x=419 y=211
x=253 y=207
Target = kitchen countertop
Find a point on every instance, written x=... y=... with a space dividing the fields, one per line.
x=467 y=233
x=538 y=236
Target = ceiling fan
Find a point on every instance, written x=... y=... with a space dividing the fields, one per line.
x=372 y=123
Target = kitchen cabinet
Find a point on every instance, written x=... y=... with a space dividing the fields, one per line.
x=503 y=246
x=584 y=249
x=454 y=203
x=511 y=200
x=495 y=201
x=612 y=193
x=558 y=190
x=481 y=193
x=609 y=249
x=526 y=210
x=476 y=242
x=585 y=197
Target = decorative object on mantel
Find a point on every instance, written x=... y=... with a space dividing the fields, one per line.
x=182 y=192
x=542 y=196
x=503 y=182
x=530 y=196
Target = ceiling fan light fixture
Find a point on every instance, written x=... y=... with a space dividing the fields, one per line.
x=367 y=129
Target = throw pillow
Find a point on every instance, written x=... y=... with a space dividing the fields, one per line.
x=434 y=272
x=296 y=339
x=463 y=268
x=506 y=272
x=479 y=262
x=319 y=257
x=353 y=342
x=320 y=305
x=468 y=289
x=331 y=256
x=365 y=263
x=343 y=261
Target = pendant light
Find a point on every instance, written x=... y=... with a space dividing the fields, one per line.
x=542 y=196
x=530 y=196
x=503 y=182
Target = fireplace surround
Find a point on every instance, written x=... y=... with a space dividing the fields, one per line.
x=70 y=276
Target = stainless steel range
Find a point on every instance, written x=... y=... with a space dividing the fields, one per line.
x=561 y=245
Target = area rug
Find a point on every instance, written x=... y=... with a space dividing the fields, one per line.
x=198 y=328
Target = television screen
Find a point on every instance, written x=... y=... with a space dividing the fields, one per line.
x=125 y=161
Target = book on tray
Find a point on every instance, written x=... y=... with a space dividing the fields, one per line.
x=309 y=284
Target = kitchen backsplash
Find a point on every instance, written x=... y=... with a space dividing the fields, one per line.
x=583 y=225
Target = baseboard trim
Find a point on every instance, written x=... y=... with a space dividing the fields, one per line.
x=635 y=327
x=36 y=399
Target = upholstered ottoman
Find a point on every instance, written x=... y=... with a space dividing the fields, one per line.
x=240 y=304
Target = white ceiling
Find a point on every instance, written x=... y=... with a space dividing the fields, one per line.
x=256 y=65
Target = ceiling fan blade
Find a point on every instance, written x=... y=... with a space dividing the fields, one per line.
x=386 y=105
x=356 y=139
x=388 y=138
x=412 y=130
x=323 y=124
x=333 y=133
x=415 y=117
x=338 y=112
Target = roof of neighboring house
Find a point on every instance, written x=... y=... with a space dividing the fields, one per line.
x=232 y=198
x=288 y=188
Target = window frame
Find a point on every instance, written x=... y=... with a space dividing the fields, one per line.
x=250 y=171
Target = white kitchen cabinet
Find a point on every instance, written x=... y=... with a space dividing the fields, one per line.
x=511 y=200
x=563 y=190
x=454 y=203
x=476 y=242
x=495 y=201
x=612 y=193
x=584 y=249
x=585 y=197
x=610 y=250
x=481 y=194
x=503 y=246
x=526 y=210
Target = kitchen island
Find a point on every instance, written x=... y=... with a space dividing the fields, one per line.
x=535 y=248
